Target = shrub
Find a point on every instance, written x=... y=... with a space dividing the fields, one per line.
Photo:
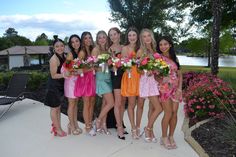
x=206 y=96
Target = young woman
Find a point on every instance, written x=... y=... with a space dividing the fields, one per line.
x=55 y=94
x=148 y=84
x=170 y=92
x=103 y=83
x=85 y=86
x=69 y=87
x=119 y=108
x=130 y=86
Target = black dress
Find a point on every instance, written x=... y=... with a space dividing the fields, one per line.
x=116 y=79
x=55 y=91
x=116 y=84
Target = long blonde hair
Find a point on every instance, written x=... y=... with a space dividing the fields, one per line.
x=97 y=44
x=142 y=44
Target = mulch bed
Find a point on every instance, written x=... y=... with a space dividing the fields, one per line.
x=209 y=136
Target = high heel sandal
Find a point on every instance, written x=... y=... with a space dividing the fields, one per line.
x=172 y=142
x=153 y=138
x=138 y=132
x=164 y=141
x=97 y=125
x=105 y=130
x=147 y=137
x=73 y=131
x=90 y=131
x=56 y=132
x=120 y=129
x=134 y=134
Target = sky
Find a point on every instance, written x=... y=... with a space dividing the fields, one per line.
x=30 y=18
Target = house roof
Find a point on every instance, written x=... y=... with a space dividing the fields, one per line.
x=20 y=50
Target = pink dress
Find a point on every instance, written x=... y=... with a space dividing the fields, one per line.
x=86 y=85
x=169 y=85
x=69 y=85
x=148 y=86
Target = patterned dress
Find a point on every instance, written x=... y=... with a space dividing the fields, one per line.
x=169 y=85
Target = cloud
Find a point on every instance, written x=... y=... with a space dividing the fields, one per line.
x=64 y=25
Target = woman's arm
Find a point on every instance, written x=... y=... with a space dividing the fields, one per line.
x=54 y=63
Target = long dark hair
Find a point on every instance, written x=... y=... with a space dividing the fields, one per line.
x=137 y=46
x=83 y=45
x=70 y=43
x=51 y=48
x=171 y=51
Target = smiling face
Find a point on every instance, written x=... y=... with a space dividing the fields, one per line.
x=114 y=36
x=87 y=40
x=102 y=39
x=59 y=47
x=146 y=37
x=132 y=37
x=164 y=46
x=75 y=43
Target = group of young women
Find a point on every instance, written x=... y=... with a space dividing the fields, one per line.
x=164 y=93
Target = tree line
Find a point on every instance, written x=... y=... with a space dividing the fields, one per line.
x=214 y=23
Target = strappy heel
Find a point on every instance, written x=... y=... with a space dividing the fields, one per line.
x=120 y=133
x=73 y=131
x=105 y=130
x=164 y=141
x=172 y=142
x=134 y=134
x=90 y=131
x=97 y=125
x=147 y=132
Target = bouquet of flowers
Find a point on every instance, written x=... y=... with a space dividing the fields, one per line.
x=79 y=65
x=92 y=62
x=160 y=65
x=127 y=65
x=103 y=61
x=146 y=64
x=116 y=63
x=68 y=65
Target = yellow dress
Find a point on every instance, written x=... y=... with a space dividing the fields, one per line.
x=130 y=85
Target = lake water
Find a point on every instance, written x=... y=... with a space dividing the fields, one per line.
x=226 y=61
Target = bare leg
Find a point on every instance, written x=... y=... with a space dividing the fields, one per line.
x=117 y=112
x=173 y=122
x=86 y=113
x=139 y=114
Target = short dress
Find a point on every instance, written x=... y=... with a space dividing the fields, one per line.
x=69 y=84
x=148 y=86
x=116 y=79
x=130 y=86
x=169 y=85
x=103 y=83
x=55 y=87
x=85 y=86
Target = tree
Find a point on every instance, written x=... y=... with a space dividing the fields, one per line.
x=41 y=40
x=10 y=32
x=196 y=46
x=150 y=14
x=217 y=10
x=218 y=13
x=226 y=42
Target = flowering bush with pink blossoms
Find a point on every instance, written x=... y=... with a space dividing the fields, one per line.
x=206 y=96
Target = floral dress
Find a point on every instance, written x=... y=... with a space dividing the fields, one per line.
x=169 y=85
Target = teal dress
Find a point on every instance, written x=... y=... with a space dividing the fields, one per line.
x=103 y=83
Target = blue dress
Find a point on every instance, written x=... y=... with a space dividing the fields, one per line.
x=103 y=83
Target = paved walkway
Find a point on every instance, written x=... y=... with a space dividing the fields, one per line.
x=25 y=132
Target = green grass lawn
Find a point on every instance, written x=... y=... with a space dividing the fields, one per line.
x=228 y=74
